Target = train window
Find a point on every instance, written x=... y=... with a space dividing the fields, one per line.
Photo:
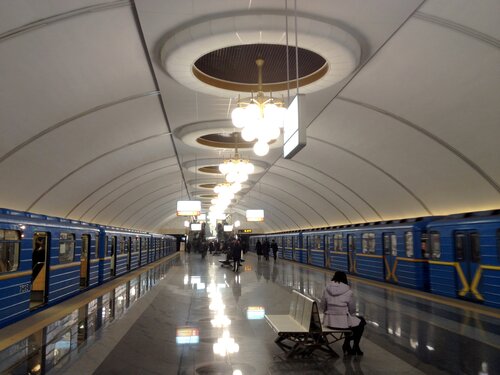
x=66 y=247
x=337 y=240
x=317 y=242
x=121 y=246
x=498 y=243
x=96 y=246
x=368 y=243
x=328 y=243
x=475 y=248
x=113 y=246
x=409 y=244
x=435 y=245
x=459 y=247
x=351 y=243
x=423 y=245
x=9 y=250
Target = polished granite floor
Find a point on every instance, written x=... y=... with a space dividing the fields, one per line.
x=191 y=316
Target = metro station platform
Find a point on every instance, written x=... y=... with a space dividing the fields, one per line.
x=162 y=320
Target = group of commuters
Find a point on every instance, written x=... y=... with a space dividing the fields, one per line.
x=264 y=248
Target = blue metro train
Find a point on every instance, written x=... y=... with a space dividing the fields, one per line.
x=44 y=260
x=457 y=256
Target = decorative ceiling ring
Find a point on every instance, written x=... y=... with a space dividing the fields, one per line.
x=181 y=50
x=208 y=184
x=219 y=135
x=210 y=167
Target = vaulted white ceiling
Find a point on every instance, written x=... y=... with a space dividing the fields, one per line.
x=95 y=127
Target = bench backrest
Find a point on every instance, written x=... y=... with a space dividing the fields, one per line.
x=305 y=312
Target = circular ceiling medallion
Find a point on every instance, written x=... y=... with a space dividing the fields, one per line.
x=210 y=167
x=219 y=134
x=234 y=68
x=229 y=37
x=224 y=140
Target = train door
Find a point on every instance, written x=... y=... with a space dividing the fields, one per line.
x=84 y=261
x=328 y=245
x=128 y=249
x=39 y=270
x=468 y=256
x=113 y=256
x=390 y=246
x=351 y=249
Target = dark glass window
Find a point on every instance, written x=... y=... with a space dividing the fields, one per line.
x=498 y=244
x=10 y=241
x=351 y=243
x=409 y=244
x=459 y=247
x=435 y=245
x=423 y=245
x=475 y=249
x=338 y=242
x=368 y=243
x=66 y=247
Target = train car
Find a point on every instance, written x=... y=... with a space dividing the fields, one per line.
x=120 y=252
x=290 y=241
x=314 y=243
x=464 y=257
x=279 y=241
x=43 y=260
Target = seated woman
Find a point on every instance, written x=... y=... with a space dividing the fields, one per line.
x=338 y=306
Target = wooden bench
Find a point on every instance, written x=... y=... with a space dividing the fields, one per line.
x=301 y=332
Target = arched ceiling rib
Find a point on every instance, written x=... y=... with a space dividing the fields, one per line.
x=128 y=191
x=115 y=179
x=90 y=119
x=97 y=158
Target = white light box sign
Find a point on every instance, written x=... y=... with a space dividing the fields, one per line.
x=294 y=135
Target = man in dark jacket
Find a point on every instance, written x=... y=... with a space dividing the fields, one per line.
x=265 y=248
x=236 y=254
x=274 y=248
x=258 y=249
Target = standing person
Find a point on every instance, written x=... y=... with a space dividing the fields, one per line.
x=236 y=254
x=211 y=247
x=338 y=306
x=265 y=248
x=274 y=248
x=258 y=249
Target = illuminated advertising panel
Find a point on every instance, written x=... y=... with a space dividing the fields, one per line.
x=294 y=130
x=255 y=215
x=188 y=208
x=195 y=226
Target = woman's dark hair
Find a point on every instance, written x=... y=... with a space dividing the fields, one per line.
x=340 y=277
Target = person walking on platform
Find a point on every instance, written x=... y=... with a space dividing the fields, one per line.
x=258 y=249
x=265 y=249
x=338 y=305
x=236 y=248
x=274 y=248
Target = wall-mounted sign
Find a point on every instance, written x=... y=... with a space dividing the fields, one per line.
x=294 y=129
x=245 y=231
x=228 y=228
x=195 y=226
x=188 y=208
x=255 y=215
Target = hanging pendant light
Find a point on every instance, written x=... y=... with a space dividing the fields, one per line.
x=260 y=117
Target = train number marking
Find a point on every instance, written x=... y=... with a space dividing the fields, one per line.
x=25 y=288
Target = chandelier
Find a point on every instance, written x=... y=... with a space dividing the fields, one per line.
x=236 y=169
x=225 y=193
x=260 y=117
